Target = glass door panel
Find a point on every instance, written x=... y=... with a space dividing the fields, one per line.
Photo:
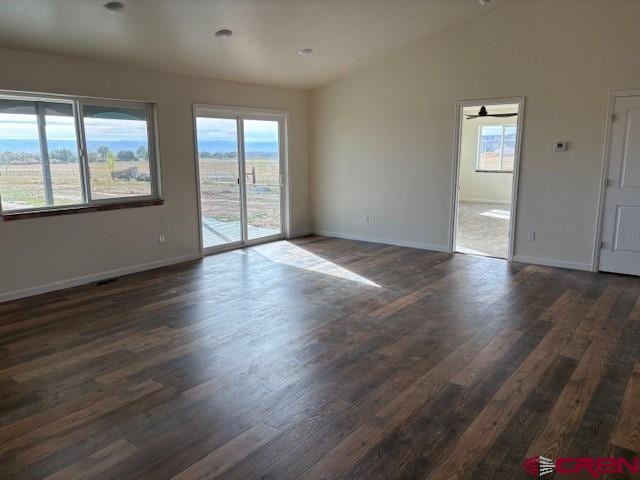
x=262 y=177
x=220 y=194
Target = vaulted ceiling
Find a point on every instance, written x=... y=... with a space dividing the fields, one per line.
x=178 y=35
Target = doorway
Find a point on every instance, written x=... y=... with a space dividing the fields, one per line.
x=241 y=177
x=485 y=177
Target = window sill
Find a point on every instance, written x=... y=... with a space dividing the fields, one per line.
x=81 y=209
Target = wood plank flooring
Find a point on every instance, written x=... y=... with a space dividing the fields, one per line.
x=321 y=358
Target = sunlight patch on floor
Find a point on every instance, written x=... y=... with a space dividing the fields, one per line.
x=495 y=213
x=471 y=251
x=289 y=254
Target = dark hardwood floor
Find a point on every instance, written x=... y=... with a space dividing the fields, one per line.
x=321 y=358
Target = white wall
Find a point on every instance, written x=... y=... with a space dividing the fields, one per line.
x=383 y=137
x=477 y=186
x=43 y=251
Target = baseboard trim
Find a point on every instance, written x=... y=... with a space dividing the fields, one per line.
x=96 y=277
x=382 y=240
x=301 y=233
x=549 y=262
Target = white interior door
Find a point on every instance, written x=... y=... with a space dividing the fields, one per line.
x=620 y=249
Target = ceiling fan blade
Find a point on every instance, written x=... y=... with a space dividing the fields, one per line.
x=485 y=114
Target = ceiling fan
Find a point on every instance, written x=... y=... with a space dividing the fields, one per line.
x=485 y=113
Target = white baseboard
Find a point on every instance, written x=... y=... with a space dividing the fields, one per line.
x=86 y=279
x=443 y=248
x=301 y=233
x=548 y=262
x=383 y=240
x=96 y=277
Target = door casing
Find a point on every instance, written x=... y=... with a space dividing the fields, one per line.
x=455 y=191
x=239 y=114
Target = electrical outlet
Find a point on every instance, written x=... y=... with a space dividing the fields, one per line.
x=531 y=236
x=162 y=239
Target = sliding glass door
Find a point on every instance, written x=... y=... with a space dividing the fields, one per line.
x=240 y=177
x=219 y=166
x=262 y=172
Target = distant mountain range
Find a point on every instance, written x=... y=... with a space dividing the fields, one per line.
x=211 y=146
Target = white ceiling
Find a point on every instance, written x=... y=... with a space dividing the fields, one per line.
x=177 y=35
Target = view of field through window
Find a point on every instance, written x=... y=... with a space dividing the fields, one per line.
x=117 y=147
x=118 y=150
x=219 y=175
x=497 y=147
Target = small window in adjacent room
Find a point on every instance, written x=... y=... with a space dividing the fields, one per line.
x=496 y=148
x=62 y=152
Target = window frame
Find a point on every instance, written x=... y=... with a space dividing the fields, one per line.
x=78 y=103
x=479 y=147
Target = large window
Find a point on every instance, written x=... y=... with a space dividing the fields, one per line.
x=61 y=152
x=496 y=148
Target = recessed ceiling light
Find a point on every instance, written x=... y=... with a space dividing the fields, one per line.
x=224 y=33
x=305 y=52
x=484 y=2
x=114 y=7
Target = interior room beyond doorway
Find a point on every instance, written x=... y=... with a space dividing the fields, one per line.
x=486 y=164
